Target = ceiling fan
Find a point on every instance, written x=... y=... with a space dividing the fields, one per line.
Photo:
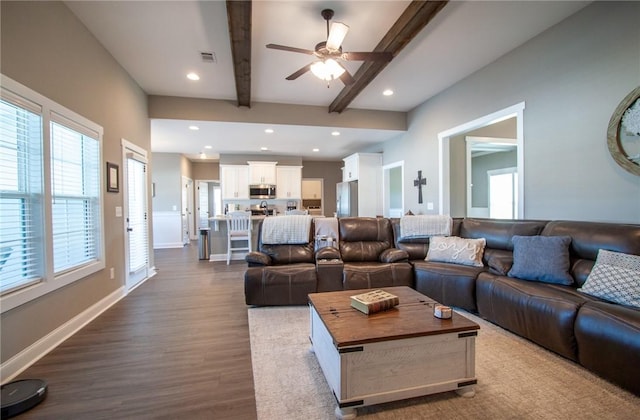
x=329 y=54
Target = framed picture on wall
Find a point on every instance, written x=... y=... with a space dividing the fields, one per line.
x=113 y=179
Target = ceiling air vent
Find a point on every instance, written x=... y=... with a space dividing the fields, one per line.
x=208 y=57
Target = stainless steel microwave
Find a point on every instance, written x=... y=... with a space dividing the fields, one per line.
x=262 y=191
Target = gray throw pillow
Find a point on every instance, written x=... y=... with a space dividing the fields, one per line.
x=541 y=258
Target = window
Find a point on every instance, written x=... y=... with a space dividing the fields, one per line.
x=75 y=196
x=51 y=229
x=21 y=229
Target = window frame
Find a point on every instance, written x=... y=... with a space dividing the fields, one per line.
x=52 y=111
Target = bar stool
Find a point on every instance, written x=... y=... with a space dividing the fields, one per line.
x=238 y=229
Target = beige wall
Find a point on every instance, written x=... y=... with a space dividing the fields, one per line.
x=209 y=171
x=47 y=49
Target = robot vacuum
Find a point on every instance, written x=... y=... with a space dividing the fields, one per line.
x=20 y=396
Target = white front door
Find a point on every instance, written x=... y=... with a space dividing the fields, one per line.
x=136 y=215
x=187 y=213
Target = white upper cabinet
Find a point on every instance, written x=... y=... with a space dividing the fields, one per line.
x=350 y=171
x=234 y=181
x=311 y=189
x=289 y=183
x=262 y=173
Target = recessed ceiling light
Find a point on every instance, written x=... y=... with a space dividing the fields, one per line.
x=208 y=147
x=335 y=133
x=269 y=130
x=264 y=148
x=194 y=127
x=193 y=76
x=387 y=92
x=316 y=150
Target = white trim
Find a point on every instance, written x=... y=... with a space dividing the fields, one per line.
x=385 y=186
x=27 y=357
x=517 y=111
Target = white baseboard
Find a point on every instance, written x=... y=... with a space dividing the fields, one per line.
x=21 y=361
x=168 y=245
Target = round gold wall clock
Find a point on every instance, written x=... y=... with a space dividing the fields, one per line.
x=623 y=134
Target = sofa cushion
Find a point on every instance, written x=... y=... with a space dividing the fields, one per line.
x=499 y=261
x=449 y=284
x=498 y=233
x=587 y=238
x=279 y=285
x=456 y=250
x=608 y=337
x=374 y=275
x=543 y=313
x=615 y=277
x=541 y=258
x=362 y=239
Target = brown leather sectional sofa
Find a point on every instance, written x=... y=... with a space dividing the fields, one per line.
x=602 y=336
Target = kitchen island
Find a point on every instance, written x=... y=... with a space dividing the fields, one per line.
x=218 y=237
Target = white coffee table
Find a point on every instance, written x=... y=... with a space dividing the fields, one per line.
x=402 y=353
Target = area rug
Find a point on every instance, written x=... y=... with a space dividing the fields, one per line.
x=516 y=380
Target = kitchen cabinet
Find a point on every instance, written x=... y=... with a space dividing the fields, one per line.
x=289 y=182
x=234 y=181
x=262 y=173
x=350 y=170
x=311 y=189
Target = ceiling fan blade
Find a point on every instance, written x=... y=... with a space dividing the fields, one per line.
x=367 y=56
x=336 y=36
x=290 y=49
x=347 y=78
x=295 y=75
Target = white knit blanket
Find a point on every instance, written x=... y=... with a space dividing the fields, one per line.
x=293 y=229
x=327 y=226
x=424 y=226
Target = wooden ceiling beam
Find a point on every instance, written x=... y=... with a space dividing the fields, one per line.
x=239 y=19
x=415 y=17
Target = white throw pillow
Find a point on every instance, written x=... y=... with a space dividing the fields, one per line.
x=453 y=249
x=615 y=277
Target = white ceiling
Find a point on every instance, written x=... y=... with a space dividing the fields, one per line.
x=159 y=42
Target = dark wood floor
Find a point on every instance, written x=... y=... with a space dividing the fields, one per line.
x=176 y=347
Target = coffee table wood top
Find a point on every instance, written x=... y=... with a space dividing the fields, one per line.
x=413 y=317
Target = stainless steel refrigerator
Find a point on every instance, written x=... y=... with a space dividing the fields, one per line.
x=347 y=199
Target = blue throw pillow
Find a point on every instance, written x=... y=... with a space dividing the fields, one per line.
x=541 y=258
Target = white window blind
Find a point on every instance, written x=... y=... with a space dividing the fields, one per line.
x=21 y=205
x=75 y=193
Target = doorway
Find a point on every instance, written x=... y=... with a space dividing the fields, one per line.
x=393 y=193
x=208 y=202
x=136 y=215
x=486 y=156
x=451 y=196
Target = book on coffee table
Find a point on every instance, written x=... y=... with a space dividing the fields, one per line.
x=374 y=301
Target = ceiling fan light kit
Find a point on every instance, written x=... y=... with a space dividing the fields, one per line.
x=328 y=69
x=329 y=54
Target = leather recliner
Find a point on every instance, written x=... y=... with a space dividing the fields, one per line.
x=280 y=274
x=368 y=255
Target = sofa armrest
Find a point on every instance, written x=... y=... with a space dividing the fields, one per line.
x=257 y=259
x=328 y=253
x=392 y=255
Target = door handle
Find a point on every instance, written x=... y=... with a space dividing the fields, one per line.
x=129 y=229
